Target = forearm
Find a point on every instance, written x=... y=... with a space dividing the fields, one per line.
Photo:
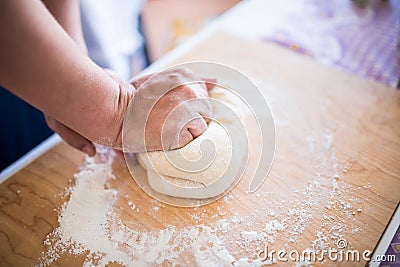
x=41 y=64
x=67 y=14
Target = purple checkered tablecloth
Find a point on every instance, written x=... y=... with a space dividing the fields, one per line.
x=361 y=37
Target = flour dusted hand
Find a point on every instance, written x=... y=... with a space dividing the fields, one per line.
x=168 y=111
x=154 y=103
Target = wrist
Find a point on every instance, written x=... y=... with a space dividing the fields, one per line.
x=126 y=93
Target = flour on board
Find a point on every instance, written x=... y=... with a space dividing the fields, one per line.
x=89 y=225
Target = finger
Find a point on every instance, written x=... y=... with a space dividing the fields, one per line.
x=210 y=83
x=119 y=153
x=137 y=82
x=71 y=137
x=77 y=141
x=196 y=127
x=185 y=137
x=205 y=117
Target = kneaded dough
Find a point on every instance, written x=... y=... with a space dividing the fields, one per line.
x=167 y=178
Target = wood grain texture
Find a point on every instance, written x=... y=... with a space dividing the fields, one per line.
x=327 y=123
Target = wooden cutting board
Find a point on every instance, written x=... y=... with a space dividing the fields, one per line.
x=336 y=172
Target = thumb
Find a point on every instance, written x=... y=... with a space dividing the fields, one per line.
x=71 y=137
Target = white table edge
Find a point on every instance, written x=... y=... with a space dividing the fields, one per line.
x=29 y=157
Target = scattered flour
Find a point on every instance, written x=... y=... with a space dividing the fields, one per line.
x=271 y=230
x=326 y=188
x=88 y=226
x=245 y=262
x=132 y=205
x=249 y=236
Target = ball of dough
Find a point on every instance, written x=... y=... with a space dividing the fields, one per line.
x=193 y=178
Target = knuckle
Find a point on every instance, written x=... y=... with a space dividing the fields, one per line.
x=181 y=70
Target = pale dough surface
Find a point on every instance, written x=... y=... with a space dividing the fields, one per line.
x=166 y=178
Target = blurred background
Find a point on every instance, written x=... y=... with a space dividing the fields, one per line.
x=358 y=36
x=361 y=37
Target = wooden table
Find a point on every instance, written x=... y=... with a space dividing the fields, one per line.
x=336 y=172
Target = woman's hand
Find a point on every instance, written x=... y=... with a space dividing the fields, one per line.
x=44 y=66
x=149 y=86
x=170 y=109
x=71 y=137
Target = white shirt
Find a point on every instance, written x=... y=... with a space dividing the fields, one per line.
x=111 y=32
